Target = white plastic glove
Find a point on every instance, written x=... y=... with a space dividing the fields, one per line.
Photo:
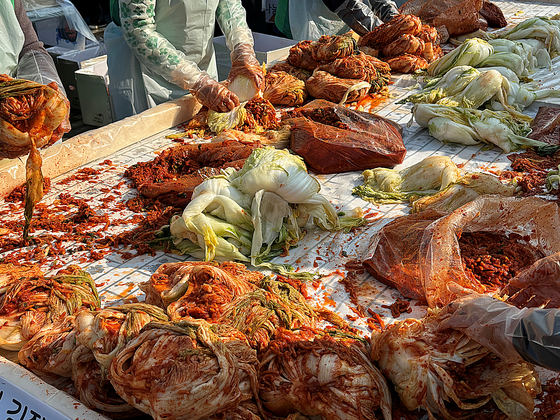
x=244 y=61
x=529 y=333
x=214 y=95
x=486 y=320
x=358 y=16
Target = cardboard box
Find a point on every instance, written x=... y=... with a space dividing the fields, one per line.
x=268 y=48
x=54 y=31
x=67 y=64
x=93 y=90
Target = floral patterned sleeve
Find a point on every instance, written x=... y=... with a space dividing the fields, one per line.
x=151 y=48
x=231 y=17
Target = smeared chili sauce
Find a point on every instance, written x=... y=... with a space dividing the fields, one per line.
x=72 y=225
x=349 y=281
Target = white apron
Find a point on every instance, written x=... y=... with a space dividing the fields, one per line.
x=310 y=19
x=11 y=38
x=189 y=26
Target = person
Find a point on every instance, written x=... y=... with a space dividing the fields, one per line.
x=532 y=334
x=310 y=19
x=256 y=17
x=22 y=55
x=160 y=50
x=94 y=12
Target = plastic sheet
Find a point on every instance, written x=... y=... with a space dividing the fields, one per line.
x=366 y=141
x=536 y=220
x=420 y=254
x=394 y=259
x=79 y=150
x=536 y=287
x=44 y=9
x=546 y=125
x=458 y=16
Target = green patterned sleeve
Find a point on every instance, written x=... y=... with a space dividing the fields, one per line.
x=151 y=48
x=232 y=20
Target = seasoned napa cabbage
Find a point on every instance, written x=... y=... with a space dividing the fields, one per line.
x=445 y=372
x=427 y=177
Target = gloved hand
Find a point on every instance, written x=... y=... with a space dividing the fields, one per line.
x=385 y=9
x=214 y=95
x=244 y=61
x=361 y=19
x=486 y=320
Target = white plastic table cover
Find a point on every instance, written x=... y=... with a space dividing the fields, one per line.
x=327 y=253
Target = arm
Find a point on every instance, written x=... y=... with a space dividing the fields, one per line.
x=151 y=48
x=158 y=54
x=531 y=333
x=232 y=20
x=359 y=17
x=536 y=336
x=34 y=62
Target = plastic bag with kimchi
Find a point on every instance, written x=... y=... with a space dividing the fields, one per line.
x=428 y=259
x=332 y=138
x=536 y=287
x=458 y=16
x=395 y=260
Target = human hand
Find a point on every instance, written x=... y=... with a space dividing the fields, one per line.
x=484 y=319
x=244 y=61
x=358 y=16
x=214 y=95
